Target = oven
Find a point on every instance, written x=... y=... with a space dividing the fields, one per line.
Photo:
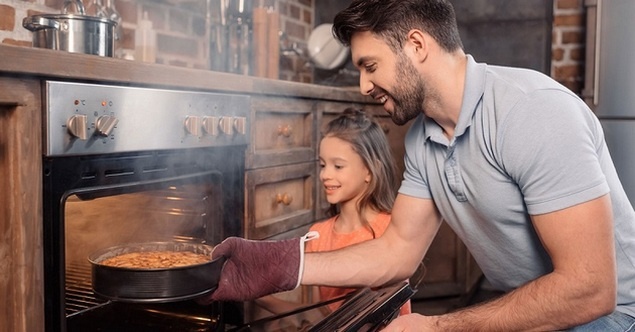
x=127 y=165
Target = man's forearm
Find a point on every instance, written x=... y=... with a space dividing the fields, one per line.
x=545 y=304
x=354 y=267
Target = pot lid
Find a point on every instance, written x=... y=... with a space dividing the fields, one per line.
x=325 y=51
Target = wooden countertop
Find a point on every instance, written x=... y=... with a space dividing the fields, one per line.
x=51 y=64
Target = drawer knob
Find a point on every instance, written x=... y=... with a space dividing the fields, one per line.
x=285 y=199
x=285 y=130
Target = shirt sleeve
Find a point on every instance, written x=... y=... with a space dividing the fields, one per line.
x=550 y=146
x=414 y=178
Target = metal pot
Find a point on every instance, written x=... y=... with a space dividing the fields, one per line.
x=154 y=285
x=73 y=33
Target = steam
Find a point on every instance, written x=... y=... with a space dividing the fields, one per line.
x=175 y=214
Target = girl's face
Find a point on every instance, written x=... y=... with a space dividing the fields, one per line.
x=342 y=171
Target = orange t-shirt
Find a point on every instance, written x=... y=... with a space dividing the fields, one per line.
x=331 y=240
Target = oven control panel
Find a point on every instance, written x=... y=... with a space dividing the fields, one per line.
x=96 y=119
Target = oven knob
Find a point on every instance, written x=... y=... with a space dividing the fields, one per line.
x=226 y=125
x=210 y=125
x=77 y=126
x=105 y=124
x=192 y=123
x=240 y=123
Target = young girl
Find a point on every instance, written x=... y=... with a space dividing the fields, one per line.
x=359 y=176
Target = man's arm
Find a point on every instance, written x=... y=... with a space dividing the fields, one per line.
x=392 y=257
x=581 y=288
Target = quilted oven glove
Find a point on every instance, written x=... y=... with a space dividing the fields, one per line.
x=256 y=268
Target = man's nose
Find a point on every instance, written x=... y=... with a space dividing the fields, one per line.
x=365 y=85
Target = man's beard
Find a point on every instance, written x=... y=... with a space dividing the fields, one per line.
x=409 y=94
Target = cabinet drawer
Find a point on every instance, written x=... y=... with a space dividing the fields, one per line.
x=283 y=131
x=279 y=199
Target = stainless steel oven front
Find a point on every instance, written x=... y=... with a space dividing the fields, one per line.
x=127 y=165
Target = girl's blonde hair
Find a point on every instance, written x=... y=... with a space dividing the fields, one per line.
x=369 y=141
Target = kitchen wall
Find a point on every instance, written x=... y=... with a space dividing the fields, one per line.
x=182 y=36
x=183 y=39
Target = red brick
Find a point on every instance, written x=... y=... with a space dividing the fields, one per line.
x=7 y=18
x=306 y=2
x=10 y=41
x=295 y=30
x=572 y=37
x=568 y=20
x=557 y=54
x=307 y=17
x=569 y=4
x=127 y=10
x=294 y=11
x=567 y=72
x=577 y=54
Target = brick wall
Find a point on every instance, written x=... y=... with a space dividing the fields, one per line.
x=567 y=60
x=183 y=40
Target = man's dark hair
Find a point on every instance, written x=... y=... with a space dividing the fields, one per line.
x=393 y=19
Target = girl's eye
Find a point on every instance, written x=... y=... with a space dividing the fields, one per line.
x=338 y=167
x=322 y=165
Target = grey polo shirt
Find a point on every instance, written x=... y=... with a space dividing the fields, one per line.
x=523 y=145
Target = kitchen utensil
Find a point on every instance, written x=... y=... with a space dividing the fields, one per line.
x=72 y=33
x=79 y=9
x=154 y=285
x=325 y=51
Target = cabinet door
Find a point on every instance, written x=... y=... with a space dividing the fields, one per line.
x=279 y=199
x=282 y=131
x=21 y=271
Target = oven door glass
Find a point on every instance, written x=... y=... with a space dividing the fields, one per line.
x=188 y=210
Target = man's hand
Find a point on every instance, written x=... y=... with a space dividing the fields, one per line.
x=411 y=322
x=256 y=268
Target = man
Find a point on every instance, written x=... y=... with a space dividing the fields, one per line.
x=514 y=162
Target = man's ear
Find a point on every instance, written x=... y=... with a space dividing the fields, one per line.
x=417 y=44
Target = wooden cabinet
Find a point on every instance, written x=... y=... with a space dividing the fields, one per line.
x=21 y=271
x=279 y=199
x=282 y=131
x=280 y=176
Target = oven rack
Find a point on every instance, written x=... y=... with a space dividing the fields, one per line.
x=79 y=291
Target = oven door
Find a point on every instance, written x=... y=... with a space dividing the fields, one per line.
x=364 y=310
x=97 y=202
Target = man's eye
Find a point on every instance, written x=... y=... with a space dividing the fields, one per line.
x=370 y=68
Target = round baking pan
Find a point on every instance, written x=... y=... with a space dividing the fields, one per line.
x=154 y=285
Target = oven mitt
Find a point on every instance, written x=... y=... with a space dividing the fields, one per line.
x=256 y=268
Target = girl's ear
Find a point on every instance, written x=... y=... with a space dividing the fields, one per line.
x=368 y=177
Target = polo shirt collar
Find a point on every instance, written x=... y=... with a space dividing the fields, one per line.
x=472 y=94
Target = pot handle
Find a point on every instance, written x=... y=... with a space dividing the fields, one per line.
x=79 y=7
x=35 y=23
